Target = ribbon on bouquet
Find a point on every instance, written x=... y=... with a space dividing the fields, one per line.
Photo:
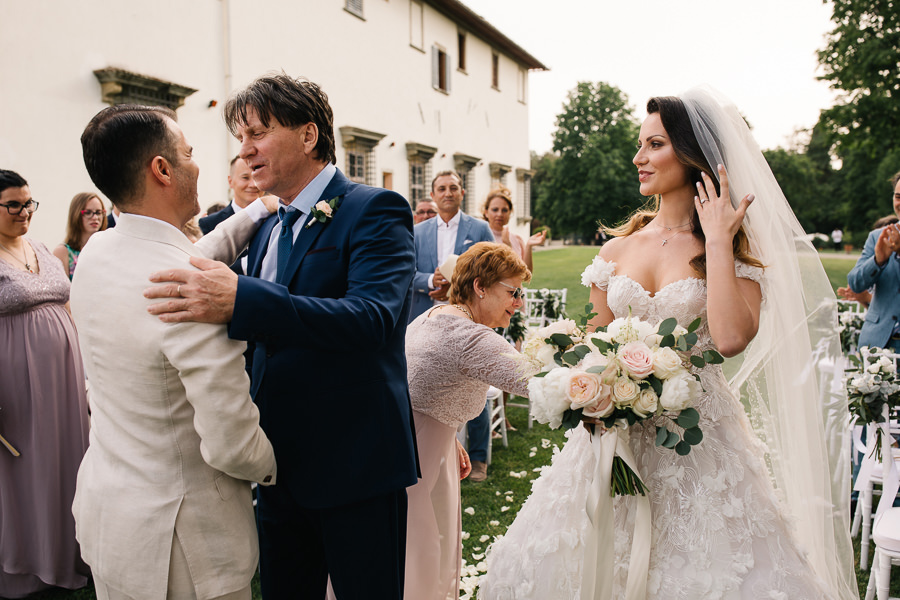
x=599 y=553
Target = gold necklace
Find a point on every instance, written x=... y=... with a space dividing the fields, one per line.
x=673 y=226
x=666 y=240
x=465 y=311
x=24 y=253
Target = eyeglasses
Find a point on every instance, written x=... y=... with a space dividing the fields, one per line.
x=426 y=212
x=15 y=208
x=518 y=293
x=93 y=213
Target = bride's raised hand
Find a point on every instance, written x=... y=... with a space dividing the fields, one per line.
x=717 y=217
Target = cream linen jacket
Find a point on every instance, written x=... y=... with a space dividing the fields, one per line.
x=175 y=437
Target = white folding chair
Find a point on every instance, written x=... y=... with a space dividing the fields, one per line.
x=886 y=530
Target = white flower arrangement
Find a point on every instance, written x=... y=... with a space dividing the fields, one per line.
x=872 y=384
x=620 y=375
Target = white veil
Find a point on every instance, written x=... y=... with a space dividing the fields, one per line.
x=789 y=377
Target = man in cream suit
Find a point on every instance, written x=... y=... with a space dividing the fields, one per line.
x=163 y=505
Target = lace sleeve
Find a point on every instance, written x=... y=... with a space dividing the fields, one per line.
x=598 y=273
x=744 y=271
x=488 y=357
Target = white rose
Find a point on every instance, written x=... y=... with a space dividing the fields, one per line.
x=566 y=326
x=887 y=365
x=548 y=397
x=646 y=403
x=679 y=392
x=600 y=335
x=545 y=357
x=625 y=391
x=666 y=363
x=594 y=359
x=613 y=330
x=324 y=207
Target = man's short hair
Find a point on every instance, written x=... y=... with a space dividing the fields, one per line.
x=291 y=102
x=118 y=144
x=234 y=160
x=894 y=180
x=444 y=173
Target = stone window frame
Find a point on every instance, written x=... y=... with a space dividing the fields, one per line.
x=419 y=157
x=118 y=86
x=360 y=142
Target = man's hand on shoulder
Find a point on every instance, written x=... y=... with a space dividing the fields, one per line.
x=271 y=203
x=204 y=296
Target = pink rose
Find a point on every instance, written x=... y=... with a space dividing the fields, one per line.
x=582 y=388
x=602 y=406
x=637 y=358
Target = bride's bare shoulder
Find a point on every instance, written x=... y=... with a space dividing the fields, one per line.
x=614 y=248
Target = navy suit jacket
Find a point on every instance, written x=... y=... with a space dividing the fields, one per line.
x=329 y=365
x=470 y=232
x=884 y=310
x=209 y=222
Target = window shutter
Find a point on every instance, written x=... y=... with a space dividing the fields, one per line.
x=447 y=74
x=435 y=68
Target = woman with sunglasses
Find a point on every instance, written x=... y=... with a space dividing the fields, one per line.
x=453 y=355
x=43 y=409
x=87 y=216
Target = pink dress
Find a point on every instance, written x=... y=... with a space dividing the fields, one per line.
x=43 y=414
x=451 y=363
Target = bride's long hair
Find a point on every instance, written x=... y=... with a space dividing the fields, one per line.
x=677 y=124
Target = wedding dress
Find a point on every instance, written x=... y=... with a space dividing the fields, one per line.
x=718 y=529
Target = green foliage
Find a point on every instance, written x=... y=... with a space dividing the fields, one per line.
x=806 y=185
x=592 y=175
x=860 y=61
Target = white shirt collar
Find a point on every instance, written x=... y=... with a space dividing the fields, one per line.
x=454 y=222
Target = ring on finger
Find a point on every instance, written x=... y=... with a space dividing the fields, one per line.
x=178 y=290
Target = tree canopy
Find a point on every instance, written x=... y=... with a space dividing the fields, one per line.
x=592 y=179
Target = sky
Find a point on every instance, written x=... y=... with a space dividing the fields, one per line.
x=759 y=53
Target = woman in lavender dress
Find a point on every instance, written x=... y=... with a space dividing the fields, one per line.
x=43 y=409
x=453 y=356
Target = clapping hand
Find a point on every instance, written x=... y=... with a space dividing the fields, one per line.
x=537 y=239
x=888 y=242
x=717 y=217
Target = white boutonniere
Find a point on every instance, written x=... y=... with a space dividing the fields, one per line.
x=323 y=211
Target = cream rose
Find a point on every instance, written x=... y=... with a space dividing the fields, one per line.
x=625 y=391
x=666 y=363
x=583 y=388
x=679 y=392
x=324 y=207
x=566 y=326
x=636 y=358
x=646 y=403
x=594 y=359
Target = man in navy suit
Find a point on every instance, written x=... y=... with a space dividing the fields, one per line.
x=243 y=187
x=450 y=232
x=326 y=304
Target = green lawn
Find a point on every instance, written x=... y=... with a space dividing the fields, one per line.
x=514 y=468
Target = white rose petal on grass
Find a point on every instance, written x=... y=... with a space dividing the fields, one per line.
x=484 y=538
x=478 y=556
x=498 y=493
x=494 y=523
x=465 y=535
x=476 y=549
x=504 y=508
x=532 y=454
x=545 y=443
x=469 y=511
x=509 y=498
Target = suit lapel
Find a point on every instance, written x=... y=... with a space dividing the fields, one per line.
x=259 y=245
x=461 y=234
x=307 y=237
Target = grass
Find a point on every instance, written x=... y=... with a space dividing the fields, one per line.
x=527 y=451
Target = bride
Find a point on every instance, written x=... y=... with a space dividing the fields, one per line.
x=759 y=508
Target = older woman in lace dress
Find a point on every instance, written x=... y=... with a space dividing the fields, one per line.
x=453 y=356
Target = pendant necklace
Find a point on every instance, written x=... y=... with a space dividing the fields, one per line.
x=465 y=311
x=666 y=240
x=24 y=253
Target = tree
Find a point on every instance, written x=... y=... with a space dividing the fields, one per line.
x=799 y=178
x=593 y=178
x=861 y=59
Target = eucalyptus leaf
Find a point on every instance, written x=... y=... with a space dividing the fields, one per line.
x=541 y=374
x=713 y=357
x=595 y=369
x=671 y=440
x=656 y=384
x=688 y=418
x=571 y=357
x=581 y=350
x=561 y=340
x=661 y=435
x=693 y=436
x=694 y=325
x=681 y=344
x=558 y=358
x=667 y=326
x=683 y=448
x=572 y=418
x=698 y=361
x=691 y=339
x=603 y=346
x=667 y=342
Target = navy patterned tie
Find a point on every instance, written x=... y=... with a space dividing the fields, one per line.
x=286 y=240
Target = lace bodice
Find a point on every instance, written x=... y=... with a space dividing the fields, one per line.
x=21 y=291
x=450 y=363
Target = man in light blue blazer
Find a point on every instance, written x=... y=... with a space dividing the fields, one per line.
x=879 y=267
x=450 y=232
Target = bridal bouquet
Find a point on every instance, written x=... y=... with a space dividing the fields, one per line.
x=872 y=385
x=620 y=375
